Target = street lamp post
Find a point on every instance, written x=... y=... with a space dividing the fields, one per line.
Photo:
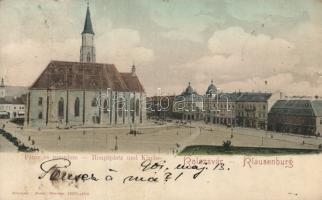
x=116 y=146
x=266 y=127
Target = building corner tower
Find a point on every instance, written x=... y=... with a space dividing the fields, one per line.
x=87 y=50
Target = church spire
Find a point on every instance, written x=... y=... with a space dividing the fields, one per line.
x=88 y=28
x=87 y=50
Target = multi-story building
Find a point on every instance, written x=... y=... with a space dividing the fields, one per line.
x=189 y=105
x=161 y=107
x=246 y=109
x=220 y=108
x=252 y=109
x=296 y=116
x=12 y=108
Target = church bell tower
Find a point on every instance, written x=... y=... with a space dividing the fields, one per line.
x=87 y=50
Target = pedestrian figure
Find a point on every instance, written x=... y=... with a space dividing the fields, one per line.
x=29 y=138
x=303 y=142
x=58 y=137
x=231 y=136
x=32 y=142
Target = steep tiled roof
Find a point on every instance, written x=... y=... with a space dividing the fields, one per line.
x=254 y=97
x=295 y=107
x=232 y=97
x=132 y=82
x=76 y=75
x=317 y=106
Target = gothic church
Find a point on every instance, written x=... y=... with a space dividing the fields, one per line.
x=85 y=93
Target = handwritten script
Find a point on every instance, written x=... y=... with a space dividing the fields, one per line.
x=60 y=170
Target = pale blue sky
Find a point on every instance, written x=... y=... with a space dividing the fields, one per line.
x=238 y=44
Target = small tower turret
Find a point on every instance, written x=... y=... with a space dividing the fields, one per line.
x=133 y=70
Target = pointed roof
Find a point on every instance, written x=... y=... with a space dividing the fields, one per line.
x=88 y=28
x=132 y=82
x=60 y=75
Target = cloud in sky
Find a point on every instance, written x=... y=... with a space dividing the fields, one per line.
x=122 y=47
x=236 y=56
x=238 y=44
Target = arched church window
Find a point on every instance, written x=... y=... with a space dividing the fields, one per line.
x=105 y=106
x=40 y=115
x=132 y=104
x=61 y=108
x=94 y=102
x=40 y=101
x=120 y=108
x=126 y=108
x=76 y=107
x=137 y=107
x=88 y=57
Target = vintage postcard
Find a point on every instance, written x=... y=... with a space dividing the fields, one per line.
x=160 y=99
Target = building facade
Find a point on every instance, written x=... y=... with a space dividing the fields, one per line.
x=161 y=107
x=12 y=108
x=189 y=105
x=85 y=93
x=252 y=110
x=221 y=109
x=296 y=116
x=245 y=109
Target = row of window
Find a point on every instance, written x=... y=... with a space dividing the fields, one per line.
x=224 y=106
x=94 y=104
x=260 y=115
x=250 y=106
x=14 y=108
